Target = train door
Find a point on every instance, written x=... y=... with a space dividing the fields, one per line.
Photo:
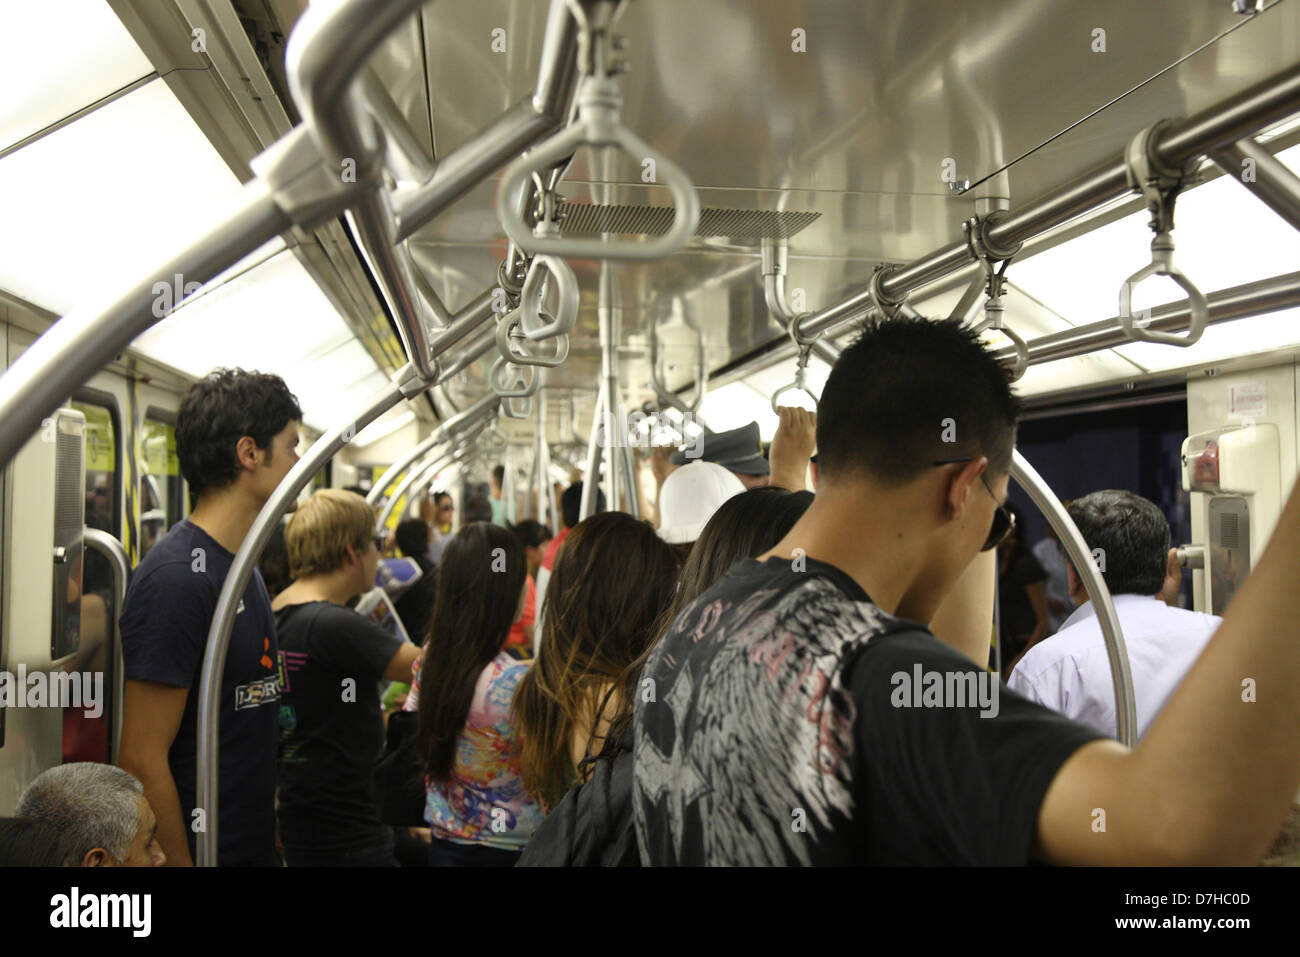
x=86 y=737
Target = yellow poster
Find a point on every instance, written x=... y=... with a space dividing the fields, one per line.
x=101 y=455
x=159 y=440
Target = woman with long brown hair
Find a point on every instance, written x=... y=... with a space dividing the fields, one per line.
x=592 y=825
x=477 y=808
x=611 y=583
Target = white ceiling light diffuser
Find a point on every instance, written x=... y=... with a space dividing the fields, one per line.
x=58 y=57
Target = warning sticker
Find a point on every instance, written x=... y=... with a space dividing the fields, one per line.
x=1248 y=400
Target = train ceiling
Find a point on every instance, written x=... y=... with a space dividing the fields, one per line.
x=850 y=115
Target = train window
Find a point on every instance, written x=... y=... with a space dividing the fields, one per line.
x=85 y=738
x=102 y=510
x=162 y=492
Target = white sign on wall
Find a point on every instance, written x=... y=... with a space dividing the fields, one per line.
x=1248 y=400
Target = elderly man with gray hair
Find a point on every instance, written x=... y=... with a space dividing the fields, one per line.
x=102 y=812
x=1070 y=671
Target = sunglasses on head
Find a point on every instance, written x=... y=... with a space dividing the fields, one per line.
x=1003 y=520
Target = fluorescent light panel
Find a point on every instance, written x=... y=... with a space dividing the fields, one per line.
x=98 y=204
x=273 y=319
x=58 y=57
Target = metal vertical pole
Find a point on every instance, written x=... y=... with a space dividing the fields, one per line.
x=112 y=549
x=607 y=313
x=508 y=480
x=630 y=484
x=593 y=457
x=547 y=490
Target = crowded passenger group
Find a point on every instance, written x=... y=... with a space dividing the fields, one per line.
x=715 y=684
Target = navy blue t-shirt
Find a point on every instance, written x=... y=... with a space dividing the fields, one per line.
x=165 y=620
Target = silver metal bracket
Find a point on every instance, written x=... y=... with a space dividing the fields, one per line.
x=309 y=190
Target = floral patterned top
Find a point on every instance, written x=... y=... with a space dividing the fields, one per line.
x=485 y=802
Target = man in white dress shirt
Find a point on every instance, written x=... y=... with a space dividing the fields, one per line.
x=1070 y=671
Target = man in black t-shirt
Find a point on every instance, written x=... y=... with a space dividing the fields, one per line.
x=235 y=438
x=801 y=711
x=331 y=722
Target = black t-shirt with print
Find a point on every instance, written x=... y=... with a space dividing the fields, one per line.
x=332 y=727
x=787 y=720
x=165 y=620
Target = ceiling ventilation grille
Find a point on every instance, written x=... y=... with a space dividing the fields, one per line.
x=590 y=219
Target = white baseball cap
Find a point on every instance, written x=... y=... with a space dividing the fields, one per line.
x=690 y=496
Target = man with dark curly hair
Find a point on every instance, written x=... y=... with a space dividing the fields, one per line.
x=236 y=435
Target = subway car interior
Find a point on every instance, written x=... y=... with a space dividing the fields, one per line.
x=493 y=248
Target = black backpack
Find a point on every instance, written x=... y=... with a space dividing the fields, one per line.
x=592 y=826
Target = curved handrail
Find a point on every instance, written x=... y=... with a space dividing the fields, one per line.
x=1160 y=188
x=433 y=438
x=112 y=549
x=598 y=124
x=1080 y=556
x=411 y=481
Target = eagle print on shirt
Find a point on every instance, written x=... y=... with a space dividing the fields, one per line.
x=745 y=756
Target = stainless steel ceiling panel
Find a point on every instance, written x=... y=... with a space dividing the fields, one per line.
x=856 y=129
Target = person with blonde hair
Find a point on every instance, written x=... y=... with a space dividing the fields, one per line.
x=332 y=660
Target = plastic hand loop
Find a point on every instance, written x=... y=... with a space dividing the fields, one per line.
x=800 y=372
x=510 y=383
x=507 y=329
x=517 y=407
x=796 y=386
x=597 y=125
x=1162 y=264
x=535 y=324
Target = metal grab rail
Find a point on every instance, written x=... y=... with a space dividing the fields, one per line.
x=1081 y=558
x=413 y=475
x=528 y=121
x=1272 y=183
x=232 y=590
x=326 y=53
x=87 y=339
x=420 y=448
x=419 y=477
x=112 y=549
x=1237 y=302
x=425 y=480
x=1244 y=114
x=1160 y=187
